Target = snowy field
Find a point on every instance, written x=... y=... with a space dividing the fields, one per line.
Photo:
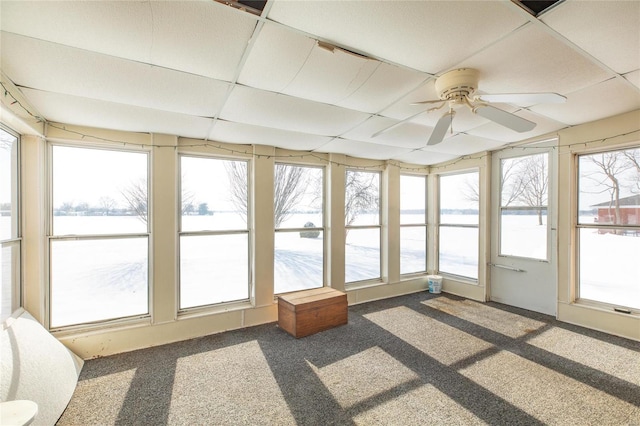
x=101 y=279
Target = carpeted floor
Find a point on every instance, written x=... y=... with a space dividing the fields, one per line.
x=416 y=359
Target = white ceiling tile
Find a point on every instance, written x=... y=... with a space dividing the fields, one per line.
x=387 y=84
x=461 y=144
x=330 y=77
x=276 y=57
x=58 y=68
x=602 y=100
x=89 y=112
x=608 y=30
x=371 y=151
x=226 y=131
x=424 y=157
x=427 y=36
x=497 y=132
x=532 y=61
x=634 y=78
x=200 y=37
x=408 y=135
x=253 y=106
x=122 y=29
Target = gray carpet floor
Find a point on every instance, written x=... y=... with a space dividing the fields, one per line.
x=416 y=359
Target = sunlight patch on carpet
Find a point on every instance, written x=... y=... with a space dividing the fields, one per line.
x=440 y=341
x=547 y=394
x=503 y=322
x=362 y=376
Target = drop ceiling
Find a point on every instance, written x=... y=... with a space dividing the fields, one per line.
x=320 y=76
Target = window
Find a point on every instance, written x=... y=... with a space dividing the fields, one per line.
x=99 y=243
x=609 y=227
x=214 y=235
x=9 y=224
x=523 y=206
x=458 y=224
x=299 y=227
x=362 y=224
x=413 y=224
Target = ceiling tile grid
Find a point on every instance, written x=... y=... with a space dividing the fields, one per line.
x=171 y=67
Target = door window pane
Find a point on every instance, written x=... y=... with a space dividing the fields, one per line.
x=213 y=269
x=523 y=207
x=98 y=191
x=98 y=279
x=609 y=227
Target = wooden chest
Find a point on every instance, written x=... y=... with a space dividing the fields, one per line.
x=307 y=312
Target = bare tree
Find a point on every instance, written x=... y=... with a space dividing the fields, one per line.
x=136 y=197
x=534 y=183
x=632 y=157
x=237 y=174
x=611 y=166
x=107 y=204
x=361 y=194
x=290 y=186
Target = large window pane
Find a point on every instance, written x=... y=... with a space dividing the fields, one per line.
x=362 y=254
x=98 y=279
x=458 y=248
x=299 y=260
x=298 y=200
x=214 y=255
x=9 y=225
x=609 y=227
x=213 y=269
x=362 y=196
x=459 y=218
x=609 y=267
x=413 y=199
x=523 y=207
x=9 y=278
x=459 y=198
x=214 y=194
x=9 y=218
x=298 y=214
x=98 y=191
x=413 y=249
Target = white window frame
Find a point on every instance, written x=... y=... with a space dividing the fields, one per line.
x=51 y=238
x=322 y=228
x=417 y=225
x=15 y=242
x=181 y=233
x=379 y=278
x=440 y=225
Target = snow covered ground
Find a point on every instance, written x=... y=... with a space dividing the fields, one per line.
x=93 y=280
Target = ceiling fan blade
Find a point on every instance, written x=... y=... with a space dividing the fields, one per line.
x=441 y=128
x=505 y=118
x=393 y=126
x=432 y=101
x=524 y=98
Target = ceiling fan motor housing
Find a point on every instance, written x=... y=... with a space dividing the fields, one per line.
x=457 y=84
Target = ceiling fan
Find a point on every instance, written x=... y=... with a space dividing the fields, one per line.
x=458 y=87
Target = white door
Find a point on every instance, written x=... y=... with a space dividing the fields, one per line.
x=523 y=241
